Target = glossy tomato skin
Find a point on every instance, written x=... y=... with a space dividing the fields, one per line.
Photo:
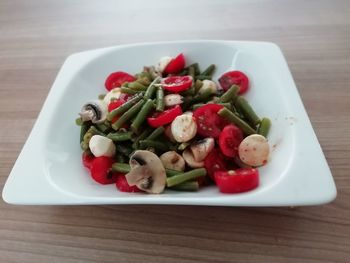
x=234 y=77
x=123 y=186
x=175 y=65
x=101 y=170
x=229 y=140
x=237 y=181
x=165 y=117
x=116 y=79
x=209 y=123
x=87 y=159
x=214 y=162
x=176 y=84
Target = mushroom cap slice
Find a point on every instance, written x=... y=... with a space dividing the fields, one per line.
x=189 y=159
x=254 y=150
x=172 y=160
x=202 y=148
x=95 y=110
x=147 y=172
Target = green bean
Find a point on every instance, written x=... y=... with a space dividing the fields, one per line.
x=197 y=85
x=120 y=158
x=141 y=116
x=191 y=186
x=244 y=107
x=144 y=75
x=101 y=96
x=79 y=121
x=121 y=167
x=191 y=72
x=151 y=89
x=160 y=99
x=209 y=70
x=203 y=77
x=124 y=149
x=155 y=144
x=156 y=133
x=124 y=107
x=230 y=116
x=170 y=172
x=102 y=127
x=94 y=131
x=196 y=68
x=84 y=129
x=230 y=94
x=128 y=90
x=183 y=72
x=183 y=177
x=183 y=146
x=189 y=92
x=264 y=127
x=128 y=115
x=202 y=97
x=84 y=146
x=119 y=136
x=137 y=86
x=142 y=136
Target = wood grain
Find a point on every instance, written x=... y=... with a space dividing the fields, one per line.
x=36 y=37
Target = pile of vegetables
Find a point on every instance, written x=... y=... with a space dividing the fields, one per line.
x=171 y=126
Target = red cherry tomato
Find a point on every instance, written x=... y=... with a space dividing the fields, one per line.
x=116 y=79
x=87 y=159
x=214 y=161
x=237 y=181
x=114 y=104
x=175 y=65
x=229 y=140
x=123 y=186
x=124 y=97
x=234 y=77
x=177 y=84
x=101 y=170
x=165 y=117
x=209 y=123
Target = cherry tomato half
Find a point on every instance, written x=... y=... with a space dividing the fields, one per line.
x=209 y=123
x=237 y=181
x=116 y=79
x=87 y=159
x=101 y=170
x=229 y=140
x=177 y=84
x=123 y=186
x=175 y=65
x=114 y=104
x=165 y=117
x=214 y=161
x=234 y=77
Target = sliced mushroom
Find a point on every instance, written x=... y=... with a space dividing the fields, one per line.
x=172 y=160
x=173 y=99
x=202 y=148
x=189 y=159
x=147 y=172
x=183 y=128
x=208 y=85
x=112 y=95
x=96 y=111
x=254 y=150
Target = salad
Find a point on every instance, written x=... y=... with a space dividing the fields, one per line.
x=171 y=126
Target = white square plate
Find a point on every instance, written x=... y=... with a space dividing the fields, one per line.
x=49 y=169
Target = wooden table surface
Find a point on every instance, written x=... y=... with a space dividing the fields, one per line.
x=36 y=37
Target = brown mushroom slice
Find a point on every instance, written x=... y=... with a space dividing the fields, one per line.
x=147 y=172
x=189 y=159
x=172 y=160
x=202 y=148
x=254 y=150
x=95 y=111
